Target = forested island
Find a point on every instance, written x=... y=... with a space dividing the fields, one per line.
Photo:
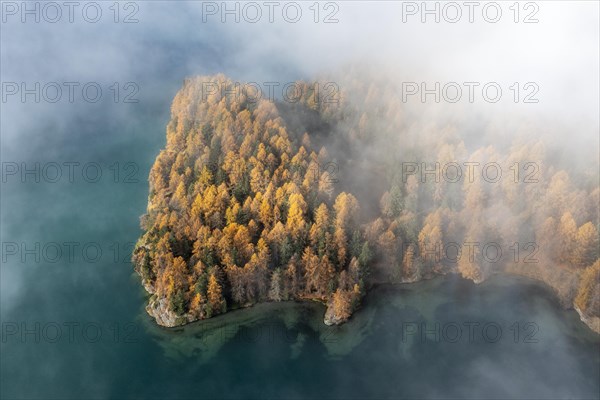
x=322 y=197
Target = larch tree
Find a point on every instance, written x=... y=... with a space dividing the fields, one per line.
x=296 y=223
x=276 y=289
x=342 y=304
x=215 y=296
x=567 y=238
x=586 y=250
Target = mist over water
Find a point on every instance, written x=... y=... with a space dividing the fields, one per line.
x=282 y=350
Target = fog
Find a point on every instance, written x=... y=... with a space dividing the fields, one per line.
x=169 y=42
x=175 y=40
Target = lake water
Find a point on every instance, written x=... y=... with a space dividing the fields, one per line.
x=444 y=338
x=73 y=323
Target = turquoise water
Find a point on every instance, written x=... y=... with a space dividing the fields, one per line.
x=270 y=351
x=403 y=343
x=74 y=325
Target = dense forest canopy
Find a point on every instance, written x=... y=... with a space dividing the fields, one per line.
x=259 y=200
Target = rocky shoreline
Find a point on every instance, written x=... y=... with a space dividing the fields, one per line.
x=164 y=316
x=592 y=322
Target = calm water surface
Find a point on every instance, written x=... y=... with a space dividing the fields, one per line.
x=73 y=324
